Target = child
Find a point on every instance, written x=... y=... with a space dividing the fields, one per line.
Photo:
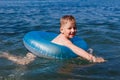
x=68 y=30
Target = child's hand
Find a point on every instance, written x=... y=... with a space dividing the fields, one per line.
x=98 y=60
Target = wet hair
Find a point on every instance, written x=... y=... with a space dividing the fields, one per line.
x=67 y=18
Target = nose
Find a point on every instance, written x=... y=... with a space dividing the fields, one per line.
x=73 y=30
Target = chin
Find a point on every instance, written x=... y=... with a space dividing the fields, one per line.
x=71 y=36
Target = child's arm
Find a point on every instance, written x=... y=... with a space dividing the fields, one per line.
x=84 y=54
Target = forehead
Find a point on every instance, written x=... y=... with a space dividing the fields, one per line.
x=70 y=23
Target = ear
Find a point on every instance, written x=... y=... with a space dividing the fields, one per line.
x=61 y=30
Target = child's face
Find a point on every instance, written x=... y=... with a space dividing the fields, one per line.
x=68 y=29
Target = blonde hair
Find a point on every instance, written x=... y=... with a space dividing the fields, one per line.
x=67 y=18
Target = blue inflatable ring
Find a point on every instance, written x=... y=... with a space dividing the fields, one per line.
x=39 y=43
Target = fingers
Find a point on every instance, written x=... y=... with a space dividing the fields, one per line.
x=99 y=60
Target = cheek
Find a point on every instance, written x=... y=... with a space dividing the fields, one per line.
x=68 y=31
x=75 y=31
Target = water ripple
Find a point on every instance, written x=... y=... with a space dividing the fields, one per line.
x=97 y=22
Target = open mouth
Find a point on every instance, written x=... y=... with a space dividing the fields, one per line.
x=72 y=34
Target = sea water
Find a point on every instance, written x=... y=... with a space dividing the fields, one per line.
x=98 y=22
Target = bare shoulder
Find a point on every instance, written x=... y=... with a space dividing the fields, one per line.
x=68 y=43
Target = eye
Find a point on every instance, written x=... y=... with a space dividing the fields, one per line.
x=69 y=28
x=74 y=28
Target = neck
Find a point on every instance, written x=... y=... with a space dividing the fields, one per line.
x=64 y=37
